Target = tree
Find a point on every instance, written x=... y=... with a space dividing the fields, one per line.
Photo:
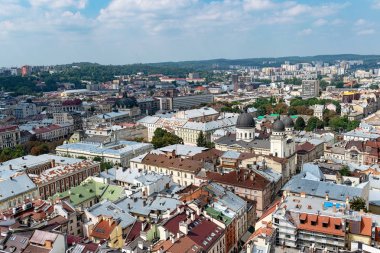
x=105 y=166
x=201 y=140
x=374 y=86
x=345 y=171
x=97 y=159
x=314 y=123
x=299 y=124
x=343 y=124
x=357 y=204
x=82 y=157
x=163 y=138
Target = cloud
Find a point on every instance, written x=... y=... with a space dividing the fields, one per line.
x=376 y=4
x=366 y=32
x=360 y=22
x=58 y=4
x=305 y=32
x=320 y=22
x=258 y=5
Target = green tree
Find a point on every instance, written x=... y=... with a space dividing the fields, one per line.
x=97 y=159
x=374 y=86
x=105 y=166
x=82 y=157
x=299 y=124
x=163 y=138
x=201 y=140
x=314 y=123
x=345 y=171
x=357 y=204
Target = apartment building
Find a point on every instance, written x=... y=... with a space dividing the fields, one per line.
x=310 y=88
x=63 y=177
x=9 y=136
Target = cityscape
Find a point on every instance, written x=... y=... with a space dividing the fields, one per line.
x=266 y=153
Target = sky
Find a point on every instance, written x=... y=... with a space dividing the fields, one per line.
x=45 y=32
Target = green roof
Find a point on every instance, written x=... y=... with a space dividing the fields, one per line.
x=218 y=215
x=90 y=189
x=274 y=115
x=260 y=117
x=294 y=116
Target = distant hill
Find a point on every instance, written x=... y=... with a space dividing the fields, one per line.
x=369 y=60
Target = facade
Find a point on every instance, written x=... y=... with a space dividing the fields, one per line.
x=24 y=109
x=19 y=188
x=310 y=88
x=9 y=136
x=53 y=132
x=187 y=102
x=183 y=171
x=188 y=124
x=61 y=178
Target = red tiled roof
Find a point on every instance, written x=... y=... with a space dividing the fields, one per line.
x=172 y=163
x=7 y=128
x=46 y=129
x=307 y=146
x=241 y=178
x=319 y=227
x=366 y=226
x=103 y=229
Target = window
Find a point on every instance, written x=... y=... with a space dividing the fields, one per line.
x=313 y=223
x=338 y=226
x=276 y=220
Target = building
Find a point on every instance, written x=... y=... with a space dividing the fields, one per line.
x=183 y=171
x=310 y=88
x=9 y=136
x=24 y=109
x=112 y=151
x=53 y=132
x=280 y=143
x=188 y=124
x=148 y=106
x=187 y=102
x=15 y=190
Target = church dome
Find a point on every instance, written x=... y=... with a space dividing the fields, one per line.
x=245 y=120
x=278 y=126
x=288 y=122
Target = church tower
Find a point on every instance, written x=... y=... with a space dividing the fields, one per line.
x=278 y=139
x=245 y=127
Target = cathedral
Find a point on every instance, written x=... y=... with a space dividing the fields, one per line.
x=279 y=144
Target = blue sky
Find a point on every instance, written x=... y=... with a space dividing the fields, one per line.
x=40 y=32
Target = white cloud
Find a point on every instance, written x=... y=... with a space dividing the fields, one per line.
x=258 y=4
x=59 y=4
x=320 y=22
x=366 y=32
x=376 y=4
x=305 y=32
x=360 y=22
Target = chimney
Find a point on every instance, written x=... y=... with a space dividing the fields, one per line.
x=48 y=244
x=52 y=163
x=140 y=244
x=303 y=195
x=10 y=167
x=172 y=238
x=252 y=176
x=192 y=216
x=183 y=227
x=327 y=197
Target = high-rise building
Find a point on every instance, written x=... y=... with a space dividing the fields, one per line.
x=310 y=88
x=235 y=82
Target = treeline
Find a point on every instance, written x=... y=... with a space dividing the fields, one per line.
x=30 y=147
